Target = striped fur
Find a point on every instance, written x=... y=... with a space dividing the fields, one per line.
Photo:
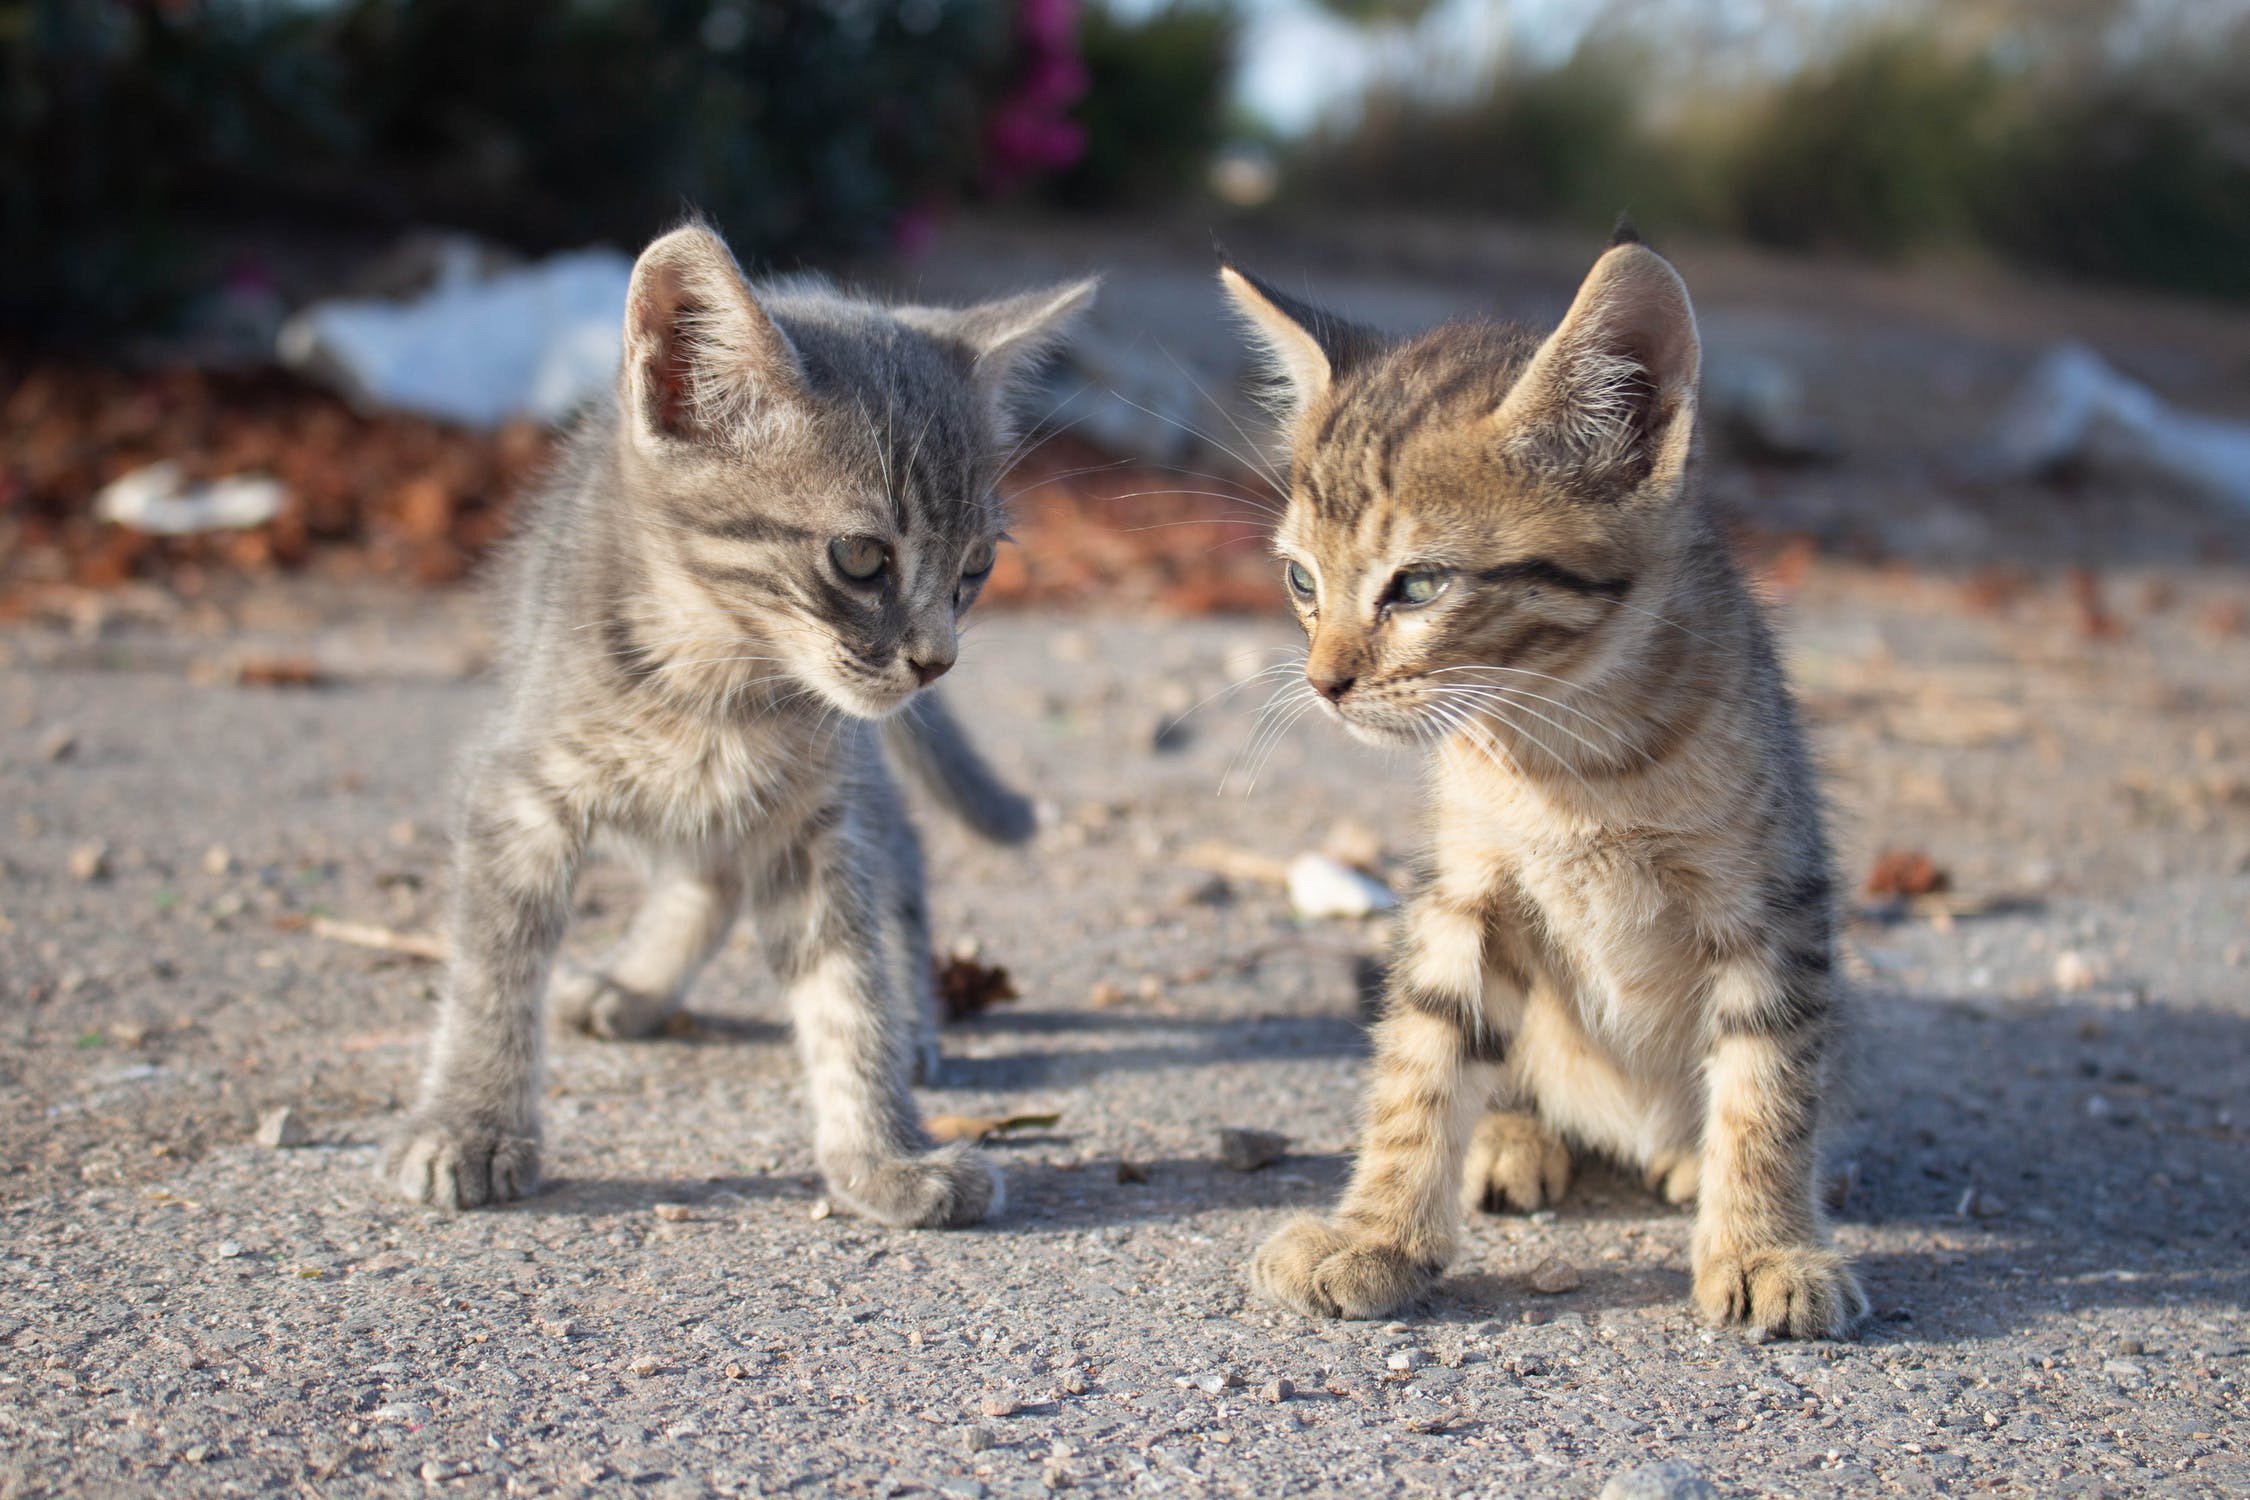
x=1624 y=942
x=691 y=673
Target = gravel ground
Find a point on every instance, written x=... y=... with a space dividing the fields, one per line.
x=2050 y=1142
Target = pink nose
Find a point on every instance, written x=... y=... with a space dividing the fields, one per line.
x=1331 y=688
x=930 y=671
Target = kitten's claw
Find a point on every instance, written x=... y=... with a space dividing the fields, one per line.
x=1326 y=1270
x=1515 y=1164
x=1789 y=1291
x=583 y=1000
x=948 y=1188
x=452 y=1167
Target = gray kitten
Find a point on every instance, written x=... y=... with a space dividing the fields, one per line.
x=749 y=569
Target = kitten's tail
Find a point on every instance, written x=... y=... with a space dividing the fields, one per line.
x=928 y=742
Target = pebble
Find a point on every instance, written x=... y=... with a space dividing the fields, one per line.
x=1665 y=1481
x=1074 y=1382
x=229 y=1249
x=977 y=1439
x=402 y=1413
x=821 y=1209
x=1248 y=1150
x=1403 y=1360
x=218 y=860
x=1427 y=1422
x=642 y=1366
x=90 y=862
x=58 y=744
x=674 y=1213
x=280 y=1129
x=555 y=1328
x=1211 y=1382
x=1554 y=1276
x=2075 y=971
x=1278 y=1391
x=1323 y=887
x=997 y=1406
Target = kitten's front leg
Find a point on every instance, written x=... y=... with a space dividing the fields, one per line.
x=1758 y=1254
x=474 y=1136
x=1393 y=1233
x=822 y=921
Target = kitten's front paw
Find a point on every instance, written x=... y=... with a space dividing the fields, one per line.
x=1789 y=1291
x=1515 y=1164
x=1327 y=1270
x=947 y=1188
x=455 y=1167
x=583 y=1000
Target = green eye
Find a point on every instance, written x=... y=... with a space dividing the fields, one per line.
x=1300 y=580
x=1417 y=588
x=980 y=560
x=859 y=558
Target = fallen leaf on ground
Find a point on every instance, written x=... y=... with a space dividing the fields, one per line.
x=1906 y=872
x=278 y=671
x=944 y=1128
x=968 y=987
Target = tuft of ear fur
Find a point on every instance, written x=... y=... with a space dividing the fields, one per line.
x=1006 y=339
x=1609 y=399
x=1306 y=347
x=703 y=363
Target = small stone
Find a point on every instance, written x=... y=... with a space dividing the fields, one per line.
x=1130 y=1172
x=556 y=1328
x=1403 y=1360
x=997 y=1406
x=1211 y=1382
x=1427 y=1422
x=280 y=1129
x=218 y=860
x=60 y=743
x=90 y=862
x=1665 y=1481
x=1056 y=1477
x=1074 y=1382
x=197 y=1454
x=2124 y=1369
x=735 y=1371
x=229 y=1249
x=2075 y=971
x=674 y=1213
x=1248 y=1150
x=401 y=1414
x=1278 y=1391
x=1554 y=1276
x=978 y=1439
x=642 y=1366
x=2131 y=1346
x=821 y=1209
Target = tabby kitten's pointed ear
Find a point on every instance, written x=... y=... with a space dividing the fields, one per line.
x=703 y=362
x=1005 y=339
x=1608 y=402
x=1308 y=348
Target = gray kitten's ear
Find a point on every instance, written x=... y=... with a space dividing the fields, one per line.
x=1308 y=348
x=703 y=362
x=1610 y=397
x=1006 y=339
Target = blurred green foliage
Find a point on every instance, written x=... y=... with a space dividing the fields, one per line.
x=1156 y=101
x=2133 y=168
x=128 y=128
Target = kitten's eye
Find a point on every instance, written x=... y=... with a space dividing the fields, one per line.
x=980 y=560
x=1300 y=580
x=859 y=558
x=1411 y=589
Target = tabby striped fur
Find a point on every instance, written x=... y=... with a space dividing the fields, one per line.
x=1623 y=943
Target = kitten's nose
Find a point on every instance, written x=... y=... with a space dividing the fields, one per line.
x=930 y=671
x=1331 y=688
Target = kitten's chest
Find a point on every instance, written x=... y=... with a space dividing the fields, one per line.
x=687 y=774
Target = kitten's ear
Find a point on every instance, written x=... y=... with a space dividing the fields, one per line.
x=1309 y=348
x=1609 y=399
x=1007 y=338
x=703 y=362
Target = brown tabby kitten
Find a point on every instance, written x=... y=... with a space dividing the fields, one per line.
x=725 y=609
x=1624 y=943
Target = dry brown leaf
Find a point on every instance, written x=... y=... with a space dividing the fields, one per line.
x=968 y=987
x=1906 y=872
x=943 y=1128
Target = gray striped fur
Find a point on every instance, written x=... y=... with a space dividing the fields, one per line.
x=689 y=673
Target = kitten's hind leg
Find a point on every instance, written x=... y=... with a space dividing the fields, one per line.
x=474 y=1135
x=1516 y=1165
x=637 y=986
x=821 y=913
